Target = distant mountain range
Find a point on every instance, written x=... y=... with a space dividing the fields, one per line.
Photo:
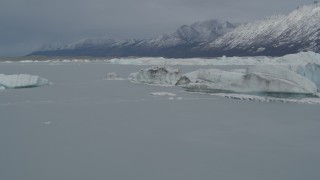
x=273 y=36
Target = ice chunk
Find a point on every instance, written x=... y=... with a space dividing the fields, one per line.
x=21 y=81
x=163 y=94
x=156 y=75
x=113 y=76
x=258 y=79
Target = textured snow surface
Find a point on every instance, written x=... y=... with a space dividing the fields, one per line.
x=21 y=81
x=156 y=75
x=258 y=79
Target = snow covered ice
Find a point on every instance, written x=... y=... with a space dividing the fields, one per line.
x=162 y=75
x=21 y=81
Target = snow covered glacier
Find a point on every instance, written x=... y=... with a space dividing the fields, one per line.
x=21 y=81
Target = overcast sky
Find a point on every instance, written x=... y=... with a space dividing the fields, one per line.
x=25 y=25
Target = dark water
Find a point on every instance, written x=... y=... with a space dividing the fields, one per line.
x=86 y=128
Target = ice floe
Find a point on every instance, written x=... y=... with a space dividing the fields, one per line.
x=21 y=81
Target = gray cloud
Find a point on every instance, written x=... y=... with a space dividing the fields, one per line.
x=27 y=24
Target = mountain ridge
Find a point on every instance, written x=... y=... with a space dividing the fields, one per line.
x=273 y=36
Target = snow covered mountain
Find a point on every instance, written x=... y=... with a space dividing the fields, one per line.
x=183 y=39
x=273 y=36
x=199 y=32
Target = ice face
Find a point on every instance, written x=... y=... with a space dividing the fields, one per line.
x=21 y=81
x=258 y=79
x=310 y=71
x=156 y=75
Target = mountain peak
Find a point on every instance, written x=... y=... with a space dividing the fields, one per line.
x=204 y=31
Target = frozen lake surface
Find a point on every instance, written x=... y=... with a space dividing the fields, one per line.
x=83 y=127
